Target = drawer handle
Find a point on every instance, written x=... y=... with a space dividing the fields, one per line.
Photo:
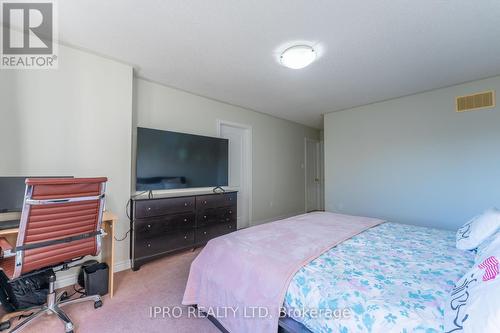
x=149 y=245
x=230 y=212
x=204 y=232
x=148 y=209
x=230 y=227
x=205 y=217
x=186 y=237
x=185 y=204
x=149 y=225
x=205 y=202
x=185 y=220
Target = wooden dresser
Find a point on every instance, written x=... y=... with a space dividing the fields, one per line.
x=164 y=225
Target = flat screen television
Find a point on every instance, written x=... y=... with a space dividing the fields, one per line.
x=171 y=160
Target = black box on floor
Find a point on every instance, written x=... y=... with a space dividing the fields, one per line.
x=95 y=278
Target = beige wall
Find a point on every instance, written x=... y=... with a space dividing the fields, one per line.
x=76 y=120
x=278 y=145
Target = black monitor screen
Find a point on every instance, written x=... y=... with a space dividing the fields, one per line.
x=171 y=160
x=12 y=192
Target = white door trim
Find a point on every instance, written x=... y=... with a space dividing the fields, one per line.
x=248 y=158
x=306 y=139
x=322 y=174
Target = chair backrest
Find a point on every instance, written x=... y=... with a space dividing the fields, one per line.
x=61 y=221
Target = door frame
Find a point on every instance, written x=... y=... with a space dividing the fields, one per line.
x=318 y=173
x=247 y=160
x=322 y=174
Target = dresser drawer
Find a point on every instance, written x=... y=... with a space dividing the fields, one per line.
x=226 y=228
x=206 y=217
x=157 y=245
x=215 y=200
x=229 y=199
x=158 y=207
x=208 y=201
x=226 y=214
x=163 y=226
x=205 y=234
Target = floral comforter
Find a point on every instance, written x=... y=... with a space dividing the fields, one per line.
x=392 y=278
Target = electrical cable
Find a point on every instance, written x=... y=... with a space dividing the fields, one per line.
x=127 y=206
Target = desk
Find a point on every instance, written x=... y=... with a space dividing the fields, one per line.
x=107 y=246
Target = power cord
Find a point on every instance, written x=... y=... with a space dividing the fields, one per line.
x=80 y=291
x=218 y=190
x=124 y=237
x=127 y=207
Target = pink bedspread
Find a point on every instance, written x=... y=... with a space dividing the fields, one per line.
x=242 y=277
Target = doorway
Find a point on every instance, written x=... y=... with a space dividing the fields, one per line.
x=240 y=166
x=313 y=175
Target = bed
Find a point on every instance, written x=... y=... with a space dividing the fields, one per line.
x=391 y=277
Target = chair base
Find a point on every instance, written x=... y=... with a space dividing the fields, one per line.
x=53 y=307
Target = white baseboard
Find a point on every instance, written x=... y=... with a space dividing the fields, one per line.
x=70 y=278
x=122 y=265
x=66 y=280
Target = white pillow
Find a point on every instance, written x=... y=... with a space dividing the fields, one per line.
x=477 y=230
x=484 y=249
x=474 y=305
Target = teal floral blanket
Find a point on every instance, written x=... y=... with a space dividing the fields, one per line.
x=390 y=278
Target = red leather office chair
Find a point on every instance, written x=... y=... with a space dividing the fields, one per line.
x=60 y=223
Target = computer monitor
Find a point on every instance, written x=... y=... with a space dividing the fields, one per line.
x=12 y=192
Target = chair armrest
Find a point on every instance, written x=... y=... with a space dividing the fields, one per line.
x=5 y=248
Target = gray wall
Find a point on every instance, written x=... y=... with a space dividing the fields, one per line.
x=76 y=120
x=414 y=159
x=277 y=147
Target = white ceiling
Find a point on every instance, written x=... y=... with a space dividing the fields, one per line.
x=228 y=49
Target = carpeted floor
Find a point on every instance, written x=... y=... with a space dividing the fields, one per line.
x=159 y=283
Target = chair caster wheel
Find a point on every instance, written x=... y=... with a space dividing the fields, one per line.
x=4 y=325
x=69 y=328
x=97 y=304
x=64 y=296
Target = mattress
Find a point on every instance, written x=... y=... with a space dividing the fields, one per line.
x=390 y=278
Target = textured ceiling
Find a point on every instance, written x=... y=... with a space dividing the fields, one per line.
x=228 y=49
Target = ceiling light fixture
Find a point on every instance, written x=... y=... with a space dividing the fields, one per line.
x=298 y=56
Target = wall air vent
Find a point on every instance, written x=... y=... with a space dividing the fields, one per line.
x=482 y=100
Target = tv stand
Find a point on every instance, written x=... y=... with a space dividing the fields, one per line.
x=167 y=224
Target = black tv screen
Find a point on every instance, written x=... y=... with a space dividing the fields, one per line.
x=171 y=160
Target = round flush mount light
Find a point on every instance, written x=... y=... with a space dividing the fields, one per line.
x=298 y=56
